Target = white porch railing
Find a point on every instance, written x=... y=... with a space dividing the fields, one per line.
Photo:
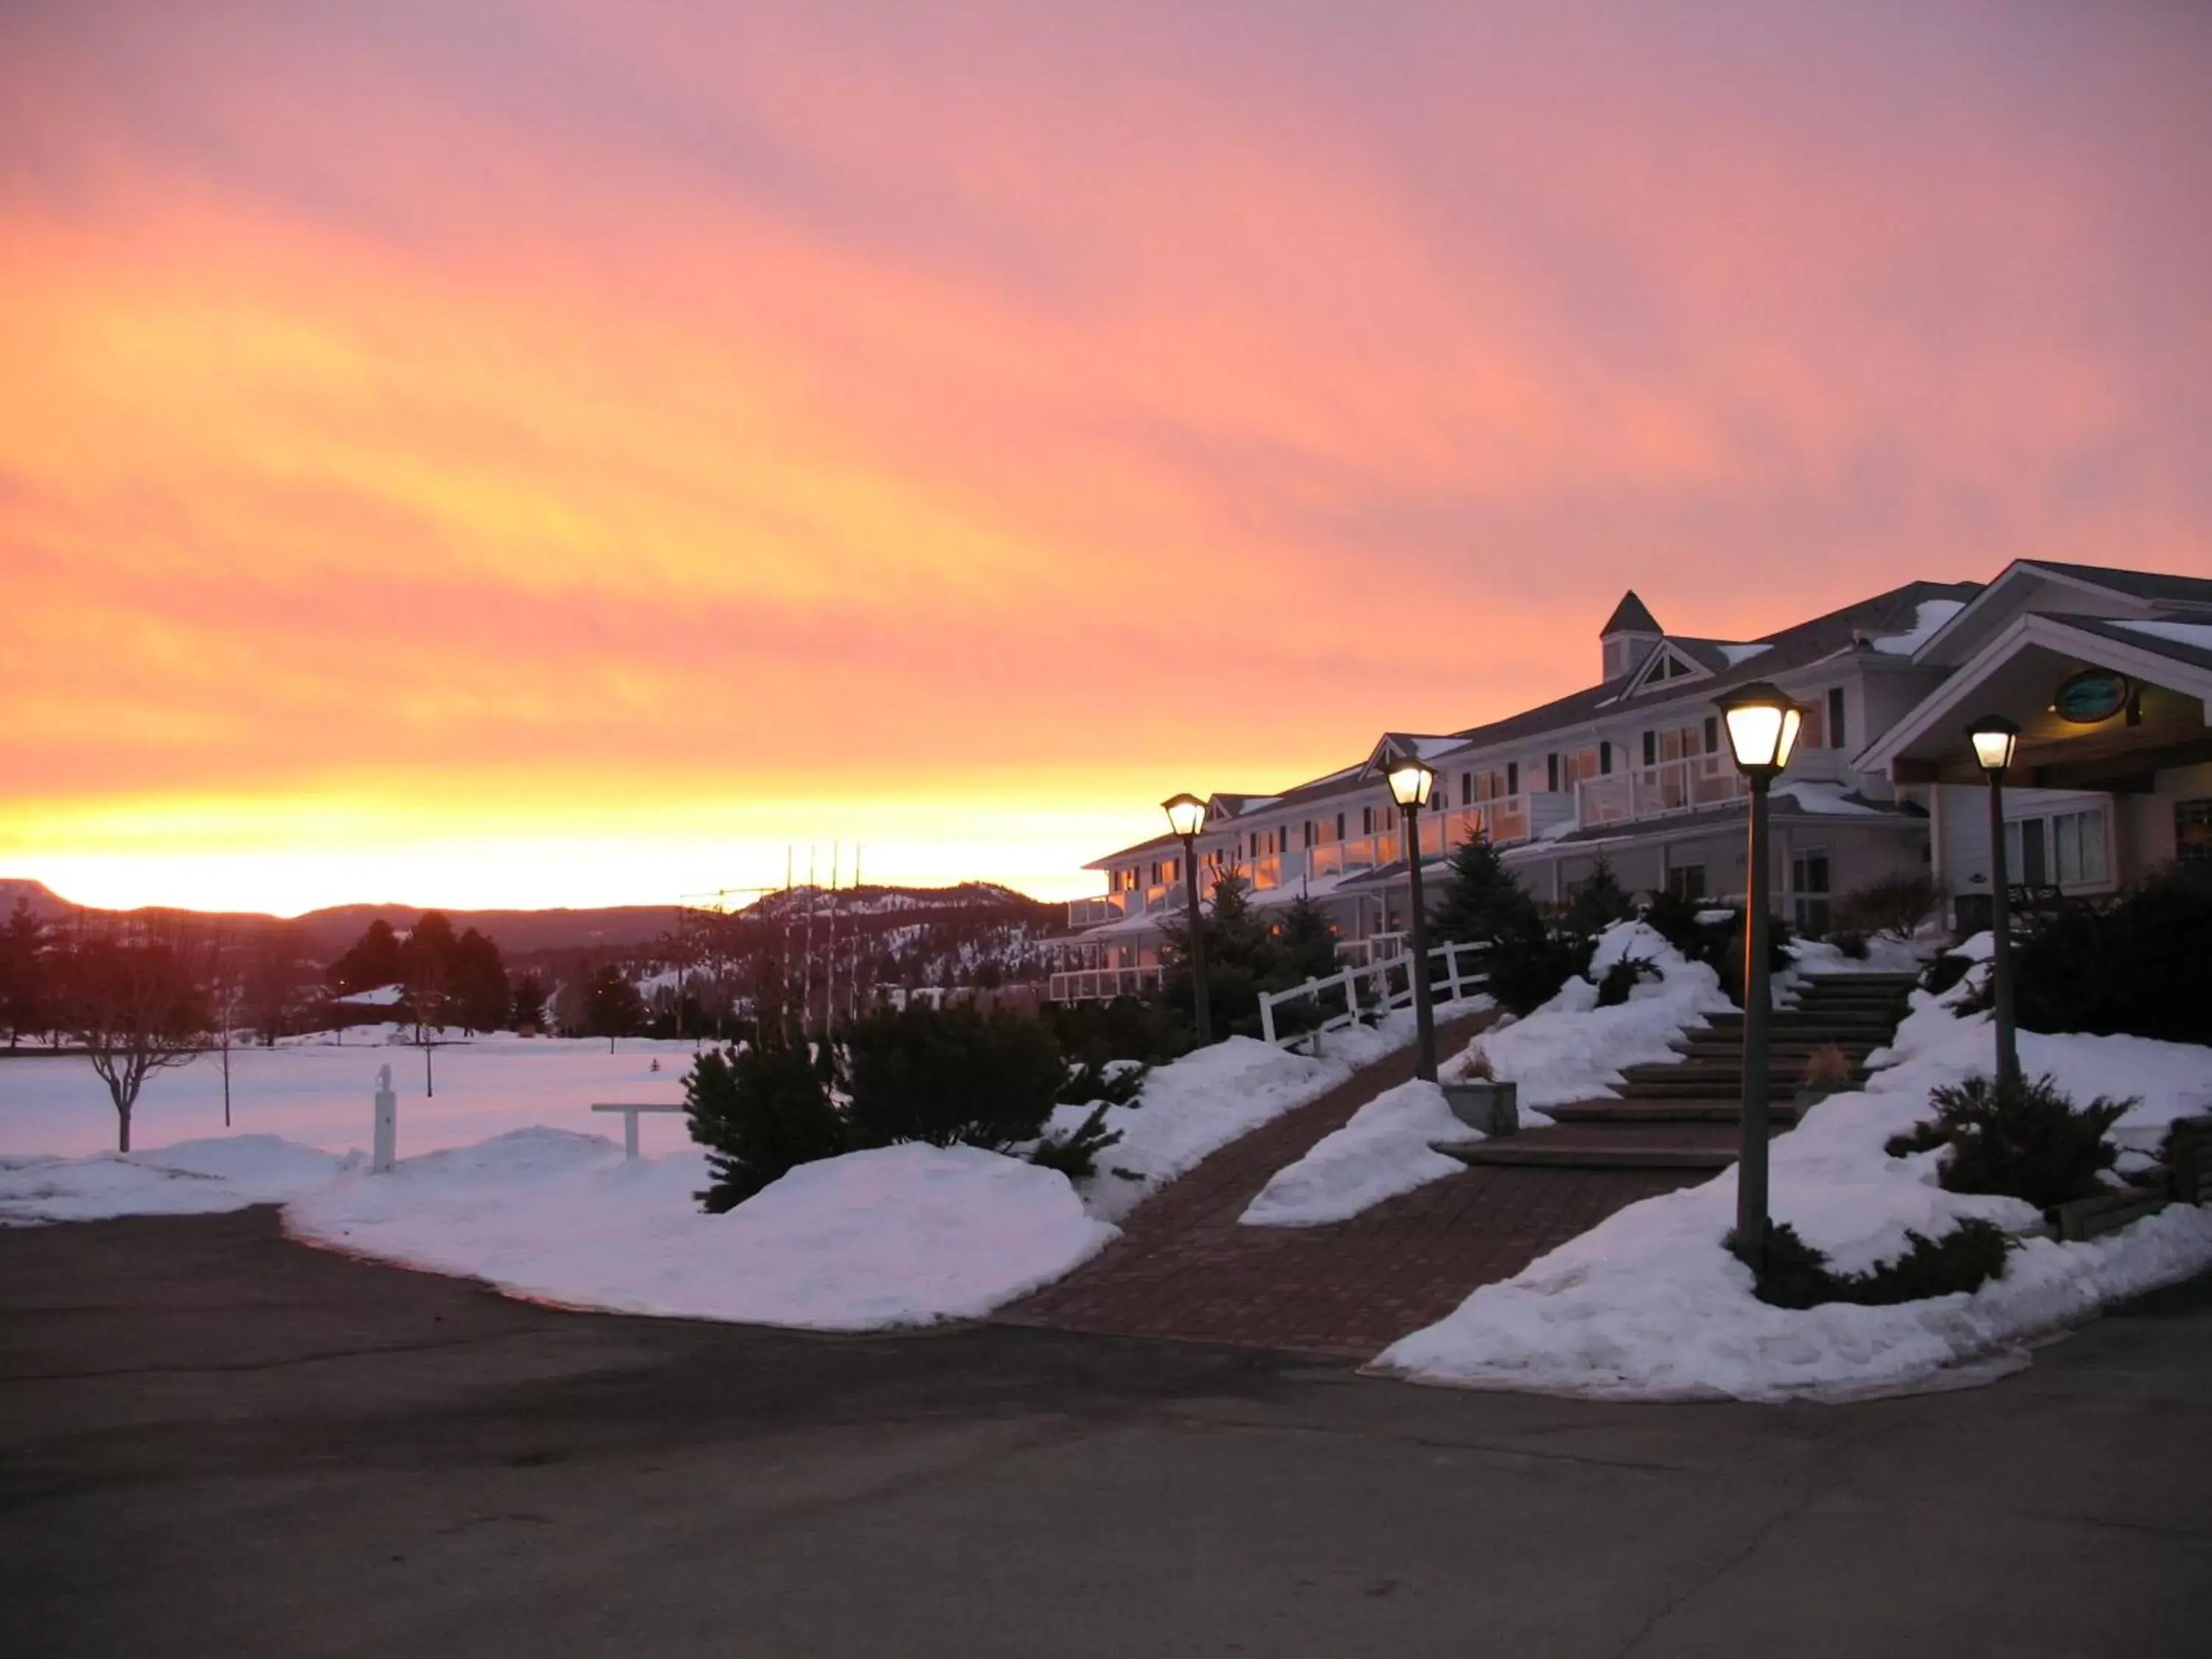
x=1645 y=792
x=1102 y=984
x=1374 y=989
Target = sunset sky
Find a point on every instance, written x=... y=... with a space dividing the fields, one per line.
x=478 y=454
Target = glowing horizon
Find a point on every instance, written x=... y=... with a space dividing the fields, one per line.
x=543 y=453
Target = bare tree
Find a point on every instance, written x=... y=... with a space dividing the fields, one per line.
x=133 y=997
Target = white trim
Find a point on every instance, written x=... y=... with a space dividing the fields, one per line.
x=1667 y=651
x=1998 y=582
x=2028 y=629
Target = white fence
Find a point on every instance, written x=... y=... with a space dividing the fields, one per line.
x=1455 y=973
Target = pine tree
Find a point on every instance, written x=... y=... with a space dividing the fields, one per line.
x=1482 y=903
x=370 y=961
x=1304 y=945
x=22 y=991
x=760 y=1111
x=529 y=1006
x=1598 y=903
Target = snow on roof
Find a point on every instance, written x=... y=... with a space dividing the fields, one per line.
x=2181 y=633
x=1827 y=798
x=1738 y=655
x=1930 y=616
x=384 y=996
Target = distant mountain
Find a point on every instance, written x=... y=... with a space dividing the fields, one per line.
x=619 y=929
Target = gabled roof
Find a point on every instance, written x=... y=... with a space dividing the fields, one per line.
x=2148 y=588
x=1788 y=648
x=1630 y=617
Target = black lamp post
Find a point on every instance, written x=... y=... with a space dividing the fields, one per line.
x=1996 y=739
x=1186 y=817
x=1762 y=729
x=1411 y=782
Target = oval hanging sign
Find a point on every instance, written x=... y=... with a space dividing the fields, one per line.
x=2091 y=696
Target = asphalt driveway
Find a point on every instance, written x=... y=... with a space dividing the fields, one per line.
x=213 y=1441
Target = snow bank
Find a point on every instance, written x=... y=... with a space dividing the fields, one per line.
x=1571 y=1049
x=194 y=1178
x=1200 y=1103
x=901 y=1235
x=1649 y=1306
x=1382 y=1152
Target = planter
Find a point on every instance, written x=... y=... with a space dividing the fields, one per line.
x=1493 y=1107
x=2106 y=1213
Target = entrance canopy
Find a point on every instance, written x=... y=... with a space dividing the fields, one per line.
x=2102 y=704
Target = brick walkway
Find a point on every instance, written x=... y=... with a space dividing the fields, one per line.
x=1184 y=1269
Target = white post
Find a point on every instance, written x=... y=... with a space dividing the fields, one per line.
x=629 y=1135
x=387 y=1122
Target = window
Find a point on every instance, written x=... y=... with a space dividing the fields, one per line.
x=1605 y=758
x=1813 y=734
x=2192 y=831
x=1686 y=881
x=1808 y=883
x=1668 y=668
x=1551 y=770
x=1513 y=777
x=1366 y=820
x=1836 y=738
x=1310 y=832
x=1651 y=749
x=1712 y=734
x=1339 y=826
x=2067 y=849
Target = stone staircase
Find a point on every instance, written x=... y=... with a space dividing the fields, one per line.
x=1689 y=1115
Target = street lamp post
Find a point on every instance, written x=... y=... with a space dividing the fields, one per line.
x=1186 y=817
x=1996 y=739
x=1762 y=729
x=1411 y=782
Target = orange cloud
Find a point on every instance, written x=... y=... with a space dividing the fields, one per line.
x=426 y=441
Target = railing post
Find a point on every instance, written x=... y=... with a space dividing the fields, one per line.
x=1268 y=1017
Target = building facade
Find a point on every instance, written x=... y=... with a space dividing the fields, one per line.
x=2109 y=671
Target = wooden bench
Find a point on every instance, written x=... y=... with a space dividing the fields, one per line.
x=630 y=1109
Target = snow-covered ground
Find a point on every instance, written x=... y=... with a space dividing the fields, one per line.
x=1383 y=1152
x=319 y=1093
x=900 y=1235
x=1207 y=1099
x=1571 y=1049
x=1648 y=1305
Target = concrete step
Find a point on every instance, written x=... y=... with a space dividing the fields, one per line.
x=1521 y=1151
x=1693 y=1071
x=1855 y=981
x=1778 y=1087
x=1631 y=1112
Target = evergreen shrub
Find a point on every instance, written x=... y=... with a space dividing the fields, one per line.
x=2024 y=1139
x=1895 y=905
x=1618 y=980
x=1075 y=1154
x=2139 y=967
x=951 y=1075
x=760 y=1111
x=1796 y=1275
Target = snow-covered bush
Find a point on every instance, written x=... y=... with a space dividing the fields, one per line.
x=2018 y=1139
x=1075 y=1154
x=1794 y=1274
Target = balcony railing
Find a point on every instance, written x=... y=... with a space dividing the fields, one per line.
x=1090 y=912
x=1646 y=792
x=1102 y=984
